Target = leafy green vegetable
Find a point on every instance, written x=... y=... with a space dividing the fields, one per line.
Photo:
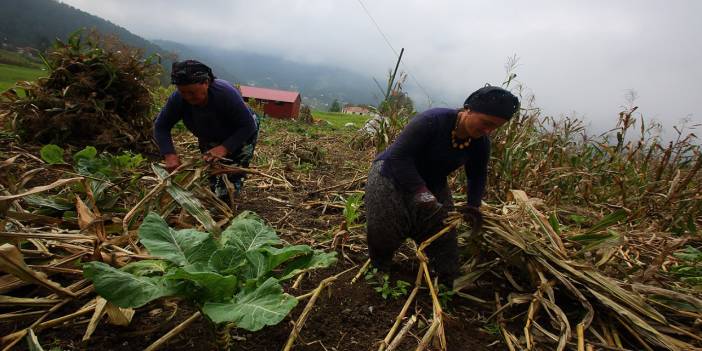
x=216 y=287
x=266 y=305
x=124 y=289
x=234 y=279
x=146 y=268
x=88 y=153
x=101 y=168
x=248 y=232
x=319 y=259
x=181 y=247
x=52 y=154
x=227 y=260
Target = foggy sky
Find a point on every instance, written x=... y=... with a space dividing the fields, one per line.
x=577 y=57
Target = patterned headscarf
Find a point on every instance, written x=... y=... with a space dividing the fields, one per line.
x=190 y=72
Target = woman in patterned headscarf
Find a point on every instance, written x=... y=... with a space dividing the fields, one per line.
x=214 y=111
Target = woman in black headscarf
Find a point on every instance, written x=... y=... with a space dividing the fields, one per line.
x=407 y=195
x=214 y=111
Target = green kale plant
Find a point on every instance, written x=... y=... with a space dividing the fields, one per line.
x=232 y=278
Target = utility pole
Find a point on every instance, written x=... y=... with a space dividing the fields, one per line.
x=392 y=78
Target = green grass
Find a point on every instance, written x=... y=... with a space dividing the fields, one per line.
x=10 y=74
x=338 y=119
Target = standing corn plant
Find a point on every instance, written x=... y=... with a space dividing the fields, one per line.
x=395 y=112
x=556 y=160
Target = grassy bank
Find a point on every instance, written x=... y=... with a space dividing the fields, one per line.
x=339 y=120
x=10 y=74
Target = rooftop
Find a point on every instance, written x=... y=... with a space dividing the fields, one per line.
x=268 y=94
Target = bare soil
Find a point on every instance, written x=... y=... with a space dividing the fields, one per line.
x=346 y=317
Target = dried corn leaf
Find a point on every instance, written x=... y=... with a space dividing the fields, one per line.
x=647 y=331
x=12 y=261
x=189 y=203
x=100 y=304
x=523 y=201
x=118 y=315
x=39 y=189
x=33 y=341
x=89 y=220
x=85 y=215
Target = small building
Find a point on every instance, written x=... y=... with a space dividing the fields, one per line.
x=276 y=103
x=358 y=110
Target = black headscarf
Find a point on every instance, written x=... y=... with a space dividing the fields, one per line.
x=493 y=101
x=190 y=72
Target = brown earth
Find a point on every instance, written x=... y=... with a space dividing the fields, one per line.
x=346 y=317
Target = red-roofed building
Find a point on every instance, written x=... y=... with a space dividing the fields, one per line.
x=357 y=110
x=276 y=103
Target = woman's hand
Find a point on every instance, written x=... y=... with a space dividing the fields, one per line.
x=172 y=161
x=215 y=153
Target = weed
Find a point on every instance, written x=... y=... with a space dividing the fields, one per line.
x=305 y=167
x=352 y=205
x=445 y=296
x=577 y=219
x=383 y=286
x=492 y=329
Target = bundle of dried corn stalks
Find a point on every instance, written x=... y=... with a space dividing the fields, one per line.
x=557 y=299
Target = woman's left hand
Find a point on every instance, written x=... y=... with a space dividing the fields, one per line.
x=215 y=153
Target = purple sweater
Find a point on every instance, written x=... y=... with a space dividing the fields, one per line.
x=225 y=120
x=422 y=155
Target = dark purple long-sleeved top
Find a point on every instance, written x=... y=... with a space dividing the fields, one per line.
x=225 y=120
x=422 y=155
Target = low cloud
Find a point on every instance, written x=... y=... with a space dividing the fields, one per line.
x=574 y=56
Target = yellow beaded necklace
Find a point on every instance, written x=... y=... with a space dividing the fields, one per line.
x=455 y=141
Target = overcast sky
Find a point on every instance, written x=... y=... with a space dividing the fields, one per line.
x=574 y=56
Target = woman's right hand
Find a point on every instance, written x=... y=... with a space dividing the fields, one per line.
x=172 y=161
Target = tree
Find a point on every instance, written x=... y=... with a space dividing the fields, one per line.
x=335 y=106
x=397 y=103
x=305 y=115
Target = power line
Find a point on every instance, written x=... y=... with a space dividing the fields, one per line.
x=387 y=41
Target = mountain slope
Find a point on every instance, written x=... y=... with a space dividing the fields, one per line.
x=37 y=23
